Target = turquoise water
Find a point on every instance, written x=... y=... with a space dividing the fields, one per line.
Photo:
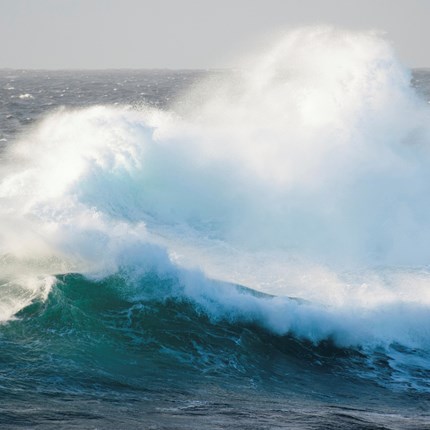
x=93 y=355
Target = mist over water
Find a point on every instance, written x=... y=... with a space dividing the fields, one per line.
x=313 y=158
x=302 y=174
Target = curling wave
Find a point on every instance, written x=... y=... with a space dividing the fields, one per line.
x=304 y=174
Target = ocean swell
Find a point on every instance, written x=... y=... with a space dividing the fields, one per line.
x=303 y=174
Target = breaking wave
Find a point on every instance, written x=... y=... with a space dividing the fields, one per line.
x=302 y=174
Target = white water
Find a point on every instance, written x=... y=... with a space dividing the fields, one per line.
x=306 y=174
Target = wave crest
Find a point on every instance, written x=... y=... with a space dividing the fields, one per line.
x=311 y=160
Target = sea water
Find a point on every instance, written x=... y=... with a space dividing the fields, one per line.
x=242 y=248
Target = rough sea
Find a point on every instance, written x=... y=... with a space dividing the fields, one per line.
x=242 y=249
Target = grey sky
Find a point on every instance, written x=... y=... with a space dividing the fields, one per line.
x=187 y=33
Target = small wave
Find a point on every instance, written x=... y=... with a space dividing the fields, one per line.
x=26 y=96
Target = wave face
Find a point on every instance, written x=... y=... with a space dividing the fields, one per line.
x=271 y=221
x=121 y=352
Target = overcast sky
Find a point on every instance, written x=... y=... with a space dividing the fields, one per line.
x=188 y=33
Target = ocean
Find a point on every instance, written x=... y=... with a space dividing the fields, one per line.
x=218 y=249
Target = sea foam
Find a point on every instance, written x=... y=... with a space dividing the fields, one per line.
x=303 y=173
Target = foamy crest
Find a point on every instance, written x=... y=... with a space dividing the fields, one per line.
x=21 y=291
x=301 y=174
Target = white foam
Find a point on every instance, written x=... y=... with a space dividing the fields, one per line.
x=20 y=292
x=26 y=96
x=301 y=176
